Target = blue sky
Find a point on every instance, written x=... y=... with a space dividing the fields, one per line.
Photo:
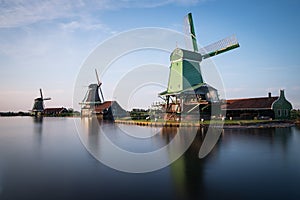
x=44 y=43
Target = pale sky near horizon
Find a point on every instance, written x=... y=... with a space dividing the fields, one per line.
x=43 y=44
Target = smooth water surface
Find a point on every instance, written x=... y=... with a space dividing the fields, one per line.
x=45 y=159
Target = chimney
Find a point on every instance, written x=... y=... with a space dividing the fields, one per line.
x=269 y=95
x=282 y=93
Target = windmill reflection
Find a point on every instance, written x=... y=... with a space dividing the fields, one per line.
x=38 y=130
x=91 y=126
x=187 y=171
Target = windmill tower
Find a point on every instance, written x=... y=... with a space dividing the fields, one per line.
x=92 y=98
x=187 y=92
x=38 y=106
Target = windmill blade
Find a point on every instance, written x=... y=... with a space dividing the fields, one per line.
x=98 y=80
x=45 y=99
x=41 y=93
x=99 y=84
x=101 y=94
x=85 y=96
x=219 y=47
x=190 y=31
x=187 y=32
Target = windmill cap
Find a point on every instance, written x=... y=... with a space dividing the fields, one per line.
x=185 y=54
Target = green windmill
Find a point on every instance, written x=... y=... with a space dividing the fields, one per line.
x=187 y=93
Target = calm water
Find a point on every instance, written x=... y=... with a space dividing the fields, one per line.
x=46 y=160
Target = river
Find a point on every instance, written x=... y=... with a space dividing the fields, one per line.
x=51 y=158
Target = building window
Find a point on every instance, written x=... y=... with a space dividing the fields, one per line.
x=279 y=112
x=286 y=113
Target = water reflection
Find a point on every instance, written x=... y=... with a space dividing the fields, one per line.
x=237 y=151
x=244 y=164
x=283 y=136
x=275 y=136
x=38 y=131
x=112 y=145
x=38 y=124
x=168 y=133
x=91 y=127
x=188 y=170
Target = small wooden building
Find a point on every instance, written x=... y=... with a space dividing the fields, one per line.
x=110 y=110
x=282 y=107
x=54 y=111
x=258 y=108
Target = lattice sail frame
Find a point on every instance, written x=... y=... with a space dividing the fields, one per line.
x=219 y=47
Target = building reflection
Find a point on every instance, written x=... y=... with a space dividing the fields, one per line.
x=275 y=136
x=168 y=133
x=91 y=127
x=283 y=137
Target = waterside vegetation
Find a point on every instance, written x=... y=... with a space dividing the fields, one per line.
x=68 y=113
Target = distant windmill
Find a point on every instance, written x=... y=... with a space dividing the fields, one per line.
x=92 y=98
x=187 y=90
x=38 y=106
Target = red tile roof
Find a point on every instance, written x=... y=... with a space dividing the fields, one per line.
x=103 y=106
x=54 y=110
x=250 y=103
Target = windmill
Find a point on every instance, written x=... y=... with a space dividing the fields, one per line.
x=92 y=98
x=187 y=92
x=38 y=106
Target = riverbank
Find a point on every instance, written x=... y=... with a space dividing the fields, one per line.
x=14 y=114
x=28 y=114
x=215 y=123
x=227 y=124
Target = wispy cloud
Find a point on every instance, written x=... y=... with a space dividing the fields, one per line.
x=14 y=13
x=74 y=25
x=20 y=12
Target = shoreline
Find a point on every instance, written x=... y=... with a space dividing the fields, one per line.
x=227 y=124
x=240 y=124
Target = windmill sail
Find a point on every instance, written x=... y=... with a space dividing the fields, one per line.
x=99 y=84
x=219 y=47
x=41 y=93
x=190 y=30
